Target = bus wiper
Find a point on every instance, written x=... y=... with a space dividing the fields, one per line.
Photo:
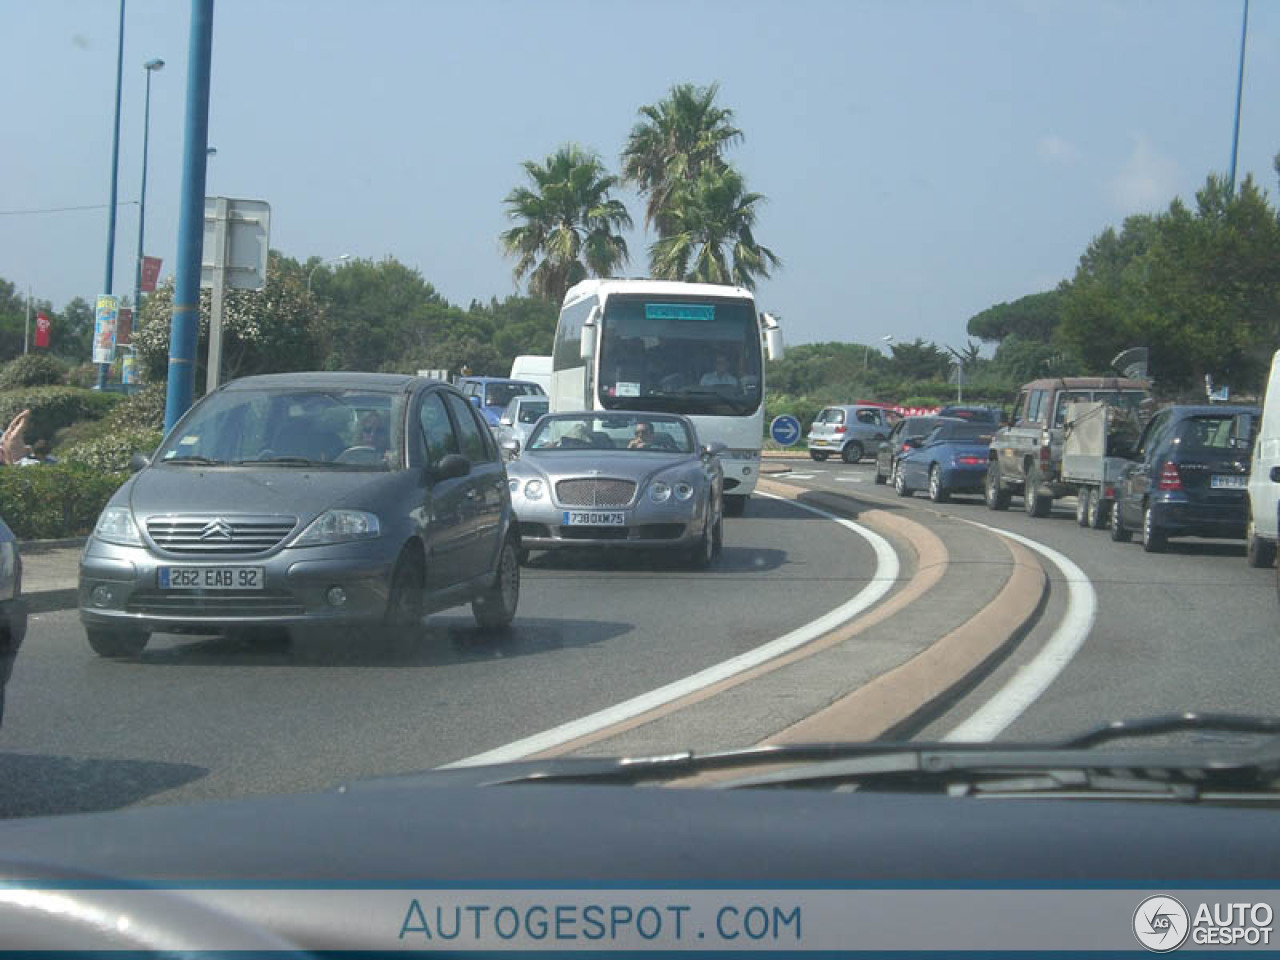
x=976 y=769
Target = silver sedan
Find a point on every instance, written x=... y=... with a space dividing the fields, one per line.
x=633 y=480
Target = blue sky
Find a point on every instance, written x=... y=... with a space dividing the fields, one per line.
x=922 y=160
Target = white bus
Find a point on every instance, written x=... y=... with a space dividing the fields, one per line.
x=662 y=346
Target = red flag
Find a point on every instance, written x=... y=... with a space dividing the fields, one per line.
x=124 y=326
x=43 y=326
x=150 y=273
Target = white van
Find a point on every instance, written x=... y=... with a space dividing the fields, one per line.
x=537 y=369
x=1264 y=476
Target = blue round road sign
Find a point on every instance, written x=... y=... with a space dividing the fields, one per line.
x=785 y=429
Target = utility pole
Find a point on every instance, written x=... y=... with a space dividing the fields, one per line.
x=185 y=329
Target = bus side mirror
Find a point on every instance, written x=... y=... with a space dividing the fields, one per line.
x=773 y=346
x=589 y=332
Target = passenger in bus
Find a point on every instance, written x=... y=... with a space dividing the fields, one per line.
x=720 y=376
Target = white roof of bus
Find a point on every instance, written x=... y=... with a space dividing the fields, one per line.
x=661 y=288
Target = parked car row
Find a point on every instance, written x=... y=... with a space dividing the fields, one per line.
x=339 y=500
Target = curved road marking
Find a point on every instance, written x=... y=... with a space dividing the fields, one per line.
x=886 y=574
x=1032 y=679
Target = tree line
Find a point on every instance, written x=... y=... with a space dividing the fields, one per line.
x=1197 y=284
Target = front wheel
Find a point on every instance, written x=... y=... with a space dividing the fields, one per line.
x=496 y=607
x=737 y=506
x=852 y=452
x=937 y=492
x=403 y=616
x=704 y=551
x=114 y=644
x=817 y=455
x=996 y=495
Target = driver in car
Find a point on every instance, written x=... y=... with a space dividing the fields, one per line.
x=720 y=377
x=643 y=438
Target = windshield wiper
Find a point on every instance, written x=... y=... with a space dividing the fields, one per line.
x=288 y=462
x=192 y=458
x=969 y=769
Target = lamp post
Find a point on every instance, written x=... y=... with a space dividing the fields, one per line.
x=151 y=66
x=341 y=257
x=104 y=368
x=1235 y=131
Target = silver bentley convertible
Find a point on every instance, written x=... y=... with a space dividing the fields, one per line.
x=635 y=480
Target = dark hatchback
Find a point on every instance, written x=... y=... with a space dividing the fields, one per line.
x=1189 y=476
x=896 y=445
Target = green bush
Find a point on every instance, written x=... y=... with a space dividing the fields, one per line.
x=54 y=501
x=84 y=376
x=143 y=409
x=32 y=370
x=53 y=408
x=112 y=451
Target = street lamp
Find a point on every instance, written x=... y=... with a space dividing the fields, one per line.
x=151 y=66
x=345 y=256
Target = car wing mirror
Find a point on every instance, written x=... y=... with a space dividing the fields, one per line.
x=504 y=421
x=452 y=466
x=139 y=461
x=713 y=449
x=915 y=443
x=475 y=399
x=511 y=448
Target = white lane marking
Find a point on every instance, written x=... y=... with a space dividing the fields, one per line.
x=1033 y=678
x=801 y=476
x=886 y=573
x=851 y=480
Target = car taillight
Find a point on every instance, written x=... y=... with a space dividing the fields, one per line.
x=906 y=447
x=1046 y=454
x=970 y=461
x=1170 y=478
x=839 y=429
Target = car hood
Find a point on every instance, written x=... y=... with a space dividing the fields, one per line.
x=279 y=490
x=629 y=465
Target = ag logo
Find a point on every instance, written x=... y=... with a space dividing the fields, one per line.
x=1161 y=923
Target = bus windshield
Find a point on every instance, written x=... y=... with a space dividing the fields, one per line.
x=684 y=356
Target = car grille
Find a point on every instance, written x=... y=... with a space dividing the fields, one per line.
x=214 y=536
x=223 y=603
x=595 y=492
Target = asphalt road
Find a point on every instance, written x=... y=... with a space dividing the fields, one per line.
x=197 y=718
x=1193 y=629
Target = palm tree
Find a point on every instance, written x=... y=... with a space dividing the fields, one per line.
x=676 y=139
x=710 y=237
x=566 y=223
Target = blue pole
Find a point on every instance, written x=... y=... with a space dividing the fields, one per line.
x=185 y=330
x=105 y=368
x=1235 y=133
x=142 y=201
